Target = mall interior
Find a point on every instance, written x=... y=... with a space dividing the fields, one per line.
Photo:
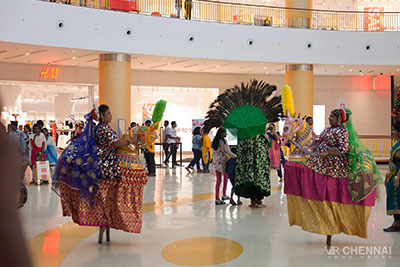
x=61 y=58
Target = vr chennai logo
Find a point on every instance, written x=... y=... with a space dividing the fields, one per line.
x=363 y=252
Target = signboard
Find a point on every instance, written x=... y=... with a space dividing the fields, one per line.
x=373 y=19
x=124 y=5
x=49 y=73
x=197 y=123
x=147 y=111
x=54 y=131
x=242 y=19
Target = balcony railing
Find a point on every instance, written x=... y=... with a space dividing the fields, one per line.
x=223 y=12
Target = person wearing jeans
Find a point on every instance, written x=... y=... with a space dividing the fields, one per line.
x=196 y=148
x=171 y=141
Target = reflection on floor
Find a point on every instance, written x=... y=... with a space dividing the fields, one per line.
x=180 y=218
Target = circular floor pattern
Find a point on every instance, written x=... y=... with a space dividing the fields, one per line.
x=202 y=251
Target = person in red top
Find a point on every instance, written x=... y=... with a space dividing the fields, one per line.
x=37 y=143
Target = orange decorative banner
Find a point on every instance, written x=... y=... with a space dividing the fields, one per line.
x=373 y=19
x=49 y=73
x=147 y=111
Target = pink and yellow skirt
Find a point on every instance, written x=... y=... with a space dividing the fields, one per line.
x=322 y=204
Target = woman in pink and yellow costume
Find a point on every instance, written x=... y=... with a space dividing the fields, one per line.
x=332 y=189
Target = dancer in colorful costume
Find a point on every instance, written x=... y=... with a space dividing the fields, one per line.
x=244 y=111
x=330 y=188
x=392 y=182
x=101 y=178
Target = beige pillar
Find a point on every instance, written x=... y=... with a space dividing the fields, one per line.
x=301 y=78
x=295 y=16
x=115 y=85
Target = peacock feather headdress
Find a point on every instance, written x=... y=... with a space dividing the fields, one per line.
x=246 y=109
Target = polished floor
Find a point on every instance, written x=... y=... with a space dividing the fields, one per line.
x=183 y=227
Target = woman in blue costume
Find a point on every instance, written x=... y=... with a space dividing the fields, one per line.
x=101 y=178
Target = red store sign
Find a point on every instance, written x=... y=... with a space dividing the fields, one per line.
x=49 y=73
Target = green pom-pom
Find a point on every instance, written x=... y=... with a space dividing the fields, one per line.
x=159 y=110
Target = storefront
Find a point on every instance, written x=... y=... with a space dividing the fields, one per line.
x=56 y=96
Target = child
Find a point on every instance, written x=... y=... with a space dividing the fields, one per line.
x=230 y=169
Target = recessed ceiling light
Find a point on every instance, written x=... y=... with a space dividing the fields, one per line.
x=169 y=63
x=350 y=69
x=73 y=51
x=341 y=66
x=73 y=57
x=265 y=68
x=27 y=54
x=217 y=66
x=398 y=70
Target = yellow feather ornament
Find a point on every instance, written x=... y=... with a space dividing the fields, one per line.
x=287 y=100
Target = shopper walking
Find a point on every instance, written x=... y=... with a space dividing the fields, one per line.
x=196 y=148
x=51 y=151
x=37 y=148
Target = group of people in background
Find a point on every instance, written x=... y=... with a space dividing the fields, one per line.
x=35 y=144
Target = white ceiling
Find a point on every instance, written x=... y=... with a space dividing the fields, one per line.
x=31 y=54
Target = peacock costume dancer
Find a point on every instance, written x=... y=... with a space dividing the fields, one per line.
x=244 y=111
x=331 y=189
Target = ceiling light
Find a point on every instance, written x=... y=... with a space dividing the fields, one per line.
x=72 y=64
x=164 y=58
x=350 y=69
x=217 y=66
x=73 y=57
x=341 y=66
x=398 y=70
x=265 y=68
x=27 y=54
x=73 y=51
x=169 y=64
